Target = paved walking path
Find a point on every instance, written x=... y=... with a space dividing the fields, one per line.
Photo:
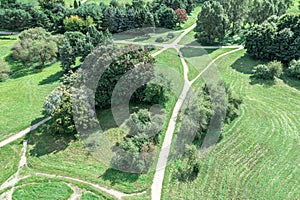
x=11 y=182
x=23 y=133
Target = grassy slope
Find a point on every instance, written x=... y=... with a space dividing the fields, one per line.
x=66 y=157
x=259 y=155
x=5 y=46
x=198 y=59
x=192 y=18
x=10 y=156
x=21 y=99
x=43 y=191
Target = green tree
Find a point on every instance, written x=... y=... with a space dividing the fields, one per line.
x=56 y=13
x=263 y=72
x=212 y=22
x=181 y=15
x=137 y=149
x=189 y=165
x=75 y=4
x=294 y=69
x=15 y=19
x=47 y=4
x=66 y=105
x=276 y=39
x=236 y=11
x=74 y=23
x=166 y=17
x=275 y=68
x=109 y=15
x=91 y=10
x=132 y=59
x=66 y=55
x=36 y=46
x=94 y=36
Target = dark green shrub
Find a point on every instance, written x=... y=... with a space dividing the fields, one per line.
x=170 y=35
x=262 y=72
x=160 y=39
x=275 y=68
x=294 y=69
x=149 y=47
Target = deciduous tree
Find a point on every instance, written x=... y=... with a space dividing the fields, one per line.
x=181 y=15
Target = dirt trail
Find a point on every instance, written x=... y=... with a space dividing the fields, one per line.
x=77 y=192
x=11 y=181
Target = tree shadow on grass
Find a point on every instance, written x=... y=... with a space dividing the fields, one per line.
x=52 y=78
x=192 y=53
x=246 y=64
x=118 y=177
x=263 y=82
x=19 y=70
x=44 y=143
x=292 y=82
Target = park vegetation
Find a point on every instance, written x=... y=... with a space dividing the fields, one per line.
x=219 y=18
x=54 y=16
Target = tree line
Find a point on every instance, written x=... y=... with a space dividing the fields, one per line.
x=219 y=18
x=54 y=16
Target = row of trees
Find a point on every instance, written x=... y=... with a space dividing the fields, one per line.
x=212 y=105
x=54 y=16
x=269 y=71
x=37 y=47
x=276 y=39
x=275 y=69
x=60 y=106
x=220 y=17
x=136 y=150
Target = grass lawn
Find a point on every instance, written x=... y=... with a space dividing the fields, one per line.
x=198 y=59
x=21 y=99
x=43 y=191
x=90 y=196
x=5 y=46
x=160 y=32
x=10 y=156
x=258 y=157
x=87 y=190
x=189 y=39
x=192 y=17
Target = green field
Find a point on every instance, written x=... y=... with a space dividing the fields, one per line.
x=192 y=18
x=5 y=46
x=10 y=156
x=258 y=156
x=21 y=99
x=198 y=59
x=43 y=191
